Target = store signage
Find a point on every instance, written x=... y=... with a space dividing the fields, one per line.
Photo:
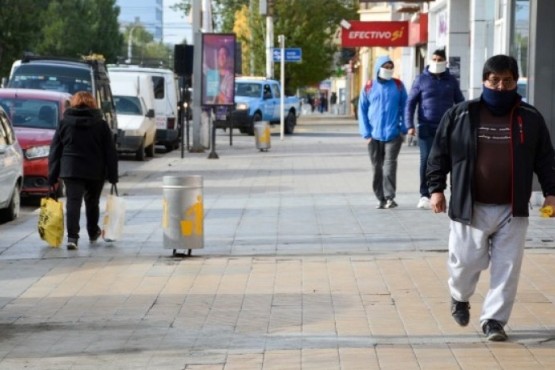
x=383 y=34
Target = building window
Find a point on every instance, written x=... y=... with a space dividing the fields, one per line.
x=521 y=34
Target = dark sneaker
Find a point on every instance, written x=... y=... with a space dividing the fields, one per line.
x=71 y=244
x=381 y=205
x=494 y=331
x=460 y=312
x=95 y=237
x=390 y=204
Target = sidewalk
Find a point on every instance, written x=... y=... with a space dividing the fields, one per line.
x=299 y=271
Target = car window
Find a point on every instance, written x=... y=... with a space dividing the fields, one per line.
x=55 y=78
x=7 y=136
x=128 y=105
x=36 y=113
x=159 y=87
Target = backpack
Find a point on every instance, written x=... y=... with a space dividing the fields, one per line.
x=368 y=86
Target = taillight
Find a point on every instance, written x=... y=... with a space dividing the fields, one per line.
x=171 y=123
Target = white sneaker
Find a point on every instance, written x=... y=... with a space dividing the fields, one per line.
x=424 y=203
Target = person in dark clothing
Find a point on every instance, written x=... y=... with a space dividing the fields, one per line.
x=434 y=91
x=490 y=147
x=84 y=155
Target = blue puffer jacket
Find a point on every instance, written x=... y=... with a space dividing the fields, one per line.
x=434 y=95
x=381 y=107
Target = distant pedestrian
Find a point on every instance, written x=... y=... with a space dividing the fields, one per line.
x=83 y=154
x=323 y=103
x=333 y=102
x=490 y=148
x=434 y=92
x=381 y=123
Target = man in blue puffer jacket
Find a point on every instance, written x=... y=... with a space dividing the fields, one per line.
x=380 y=116
x=434 y=91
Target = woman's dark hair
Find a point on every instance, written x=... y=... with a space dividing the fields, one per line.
x=498 y=64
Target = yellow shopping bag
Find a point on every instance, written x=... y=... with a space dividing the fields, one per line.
x=51 y=221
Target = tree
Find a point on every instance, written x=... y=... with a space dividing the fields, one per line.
x=308 y=24
x=86 y=27
x=21 y=22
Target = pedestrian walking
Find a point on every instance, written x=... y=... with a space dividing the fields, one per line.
x=433 y=92
x=83 y=154
x=490 y=147
x=333 y=102
x=381 y=123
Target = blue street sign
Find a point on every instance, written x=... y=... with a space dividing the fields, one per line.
x=291 y=54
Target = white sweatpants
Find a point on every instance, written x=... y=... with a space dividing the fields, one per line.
x=495 y=237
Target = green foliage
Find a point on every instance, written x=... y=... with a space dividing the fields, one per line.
x=68 y=28
x=307 y=24
x=21 y=24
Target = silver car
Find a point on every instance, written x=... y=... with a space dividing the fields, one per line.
x=11 y=170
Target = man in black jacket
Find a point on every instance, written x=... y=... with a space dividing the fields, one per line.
x=490 y=147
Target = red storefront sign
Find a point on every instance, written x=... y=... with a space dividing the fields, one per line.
x=418 y=32
x=385 y=34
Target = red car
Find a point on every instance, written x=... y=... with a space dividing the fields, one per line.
x=35 y=115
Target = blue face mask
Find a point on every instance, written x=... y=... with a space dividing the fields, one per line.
x=499 y=102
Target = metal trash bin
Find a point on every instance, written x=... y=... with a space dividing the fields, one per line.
x=182 y=213
x=262 y=135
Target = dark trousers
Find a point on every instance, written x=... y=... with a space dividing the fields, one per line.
x=383 y=156
x=76 y=191
x=426 y=136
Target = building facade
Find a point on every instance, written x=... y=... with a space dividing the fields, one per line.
x=147 y=13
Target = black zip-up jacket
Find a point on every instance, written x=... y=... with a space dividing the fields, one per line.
x=83 y=148
x=454 y=152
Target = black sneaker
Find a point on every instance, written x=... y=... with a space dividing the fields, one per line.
x=494 y=331
x=95 y=237
x=71 y=244
x=381 y=204
x=460 y=312
x=390 y=204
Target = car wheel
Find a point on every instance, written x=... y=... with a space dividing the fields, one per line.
x=256 y=118
x=12 y=212
x=290 y=123
x=140 y=154
x=150 y=150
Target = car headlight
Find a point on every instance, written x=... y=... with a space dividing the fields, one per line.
x=37 y=152
x=242 y=106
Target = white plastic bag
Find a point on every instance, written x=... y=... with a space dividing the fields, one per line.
x=114 y=217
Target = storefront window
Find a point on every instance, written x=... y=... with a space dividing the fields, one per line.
x=521 y=34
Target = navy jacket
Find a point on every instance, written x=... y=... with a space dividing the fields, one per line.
x=83 y=148
x=454 y=153
x=434 y=95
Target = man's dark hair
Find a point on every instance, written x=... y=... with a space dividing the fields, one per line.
x=498 y=64
x=440 y=53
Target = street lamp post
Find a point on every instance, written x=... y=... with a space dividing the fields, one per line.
x=130 y=44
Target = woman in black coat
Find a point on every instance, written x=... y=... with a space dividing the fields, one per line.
x=84 y=155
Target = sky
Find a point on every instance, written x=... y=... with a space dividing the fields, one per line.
x=176 y=25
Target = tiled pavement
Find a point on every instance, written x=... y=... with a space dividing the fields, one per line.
x=299 y=271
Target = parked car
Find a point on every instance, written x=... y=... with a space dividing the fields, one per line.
x=166 y=99
x=35 y=115
x=68 y=75
x=259 y=99
x=11 y=170
x=134 y=97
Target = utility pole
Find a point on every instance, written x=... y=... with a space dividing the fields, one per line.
x=196 y=9
x=269 y=39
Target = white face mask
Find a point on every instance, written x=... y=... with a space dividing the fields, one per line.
x=437 y=67
x=386 y=74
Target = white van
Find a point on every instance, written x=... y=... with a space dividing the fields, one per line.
x=166 y=97
x=134 y=99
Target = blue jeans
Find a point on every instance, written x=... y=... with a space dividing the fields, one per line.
x=383 y=156
x=426 y=136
